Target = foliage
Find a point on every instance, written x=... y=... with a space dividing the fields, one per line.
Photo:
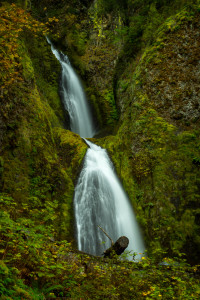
x=52 y=269
x=112 y=5
x=14 y=21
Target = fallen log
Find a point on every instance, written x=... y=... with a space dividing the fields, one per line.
x=118 y=248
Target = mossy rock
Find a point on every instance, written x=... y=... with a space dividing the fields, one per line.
x=160 y=147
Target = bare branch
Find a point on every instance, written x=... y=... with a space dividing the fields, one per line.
x=112 y=243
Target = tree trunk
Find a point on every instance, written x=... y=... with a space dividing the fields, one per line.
x=118 y=248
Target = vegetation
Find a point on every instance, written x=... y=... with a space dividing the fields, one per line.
x=138 y=60
x=35 y=266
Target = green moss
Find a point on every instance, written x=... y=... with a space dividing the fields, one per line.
x=28 y=72
x=72 y=147
x=46 y=72
x=155 y=156
x=110 y=106
x=39 y=157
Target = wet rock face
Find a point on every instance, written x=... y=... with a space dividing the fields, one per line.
x=173 y=79
x=158 y=95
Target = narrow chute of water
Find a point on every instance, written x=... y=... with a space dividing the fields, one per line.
x=74 y=98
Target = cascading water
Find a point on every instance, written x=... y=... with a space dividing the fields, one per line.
x=99 y=198
x=74 y=98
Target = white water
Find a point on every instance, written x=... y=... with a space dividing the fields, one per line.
x=99 y=197
x=100 y=200
x=74 y=98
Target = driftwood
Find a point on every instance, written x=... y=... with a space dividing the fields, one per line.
x=116 y=248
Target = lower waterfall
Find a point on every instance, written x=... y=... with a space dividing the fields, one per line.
x=100 y=200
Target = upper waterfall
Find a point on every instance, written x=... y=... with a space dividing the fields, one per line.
x=74 y=98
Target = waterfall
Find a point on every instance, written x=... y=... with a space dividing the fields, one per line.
x=99 y=198
x=74 y=98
